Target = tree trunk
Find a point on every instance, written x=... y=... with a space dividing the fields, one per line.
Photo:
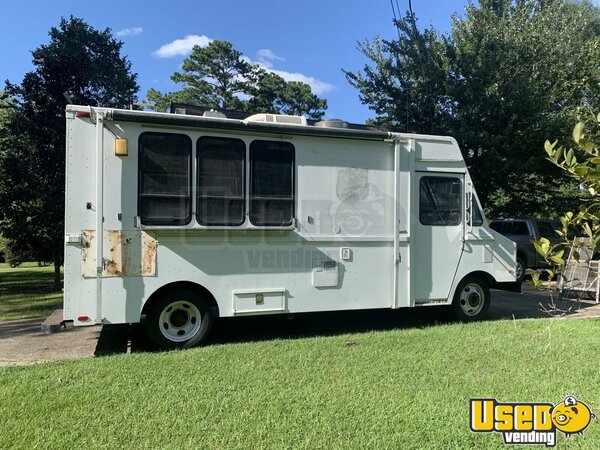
x=57 y=283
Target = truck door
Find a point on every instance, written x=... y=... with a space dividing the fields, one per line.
x=438 y=234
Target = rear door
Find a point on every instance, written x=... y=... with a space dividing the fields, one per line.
x=438 y=234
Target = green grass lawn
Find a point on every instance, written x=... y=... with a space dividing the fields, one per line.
x=397 y=389
x=27 y=291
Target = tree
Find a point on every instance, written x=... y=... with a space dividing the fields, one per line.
x=511 y=94
x=215 y=74
x=494 y=83
x=220 y=76
x=407 y=86
x=162 y=102
x=297 y=99
x=88 y=65
x=272 y=94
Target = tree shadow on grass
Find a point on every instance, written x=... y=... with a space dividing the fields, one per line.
x=30 y=310
x=24 y=275
x=115 y=339
x=505 y=306
x=249 y=329
x=28 y=298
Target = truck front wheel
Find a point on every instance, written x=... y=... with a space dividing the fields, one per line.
x=471 y=299
x=178 y=319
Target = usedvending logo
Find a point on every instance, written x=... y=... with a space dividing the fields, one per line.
x=530 y=423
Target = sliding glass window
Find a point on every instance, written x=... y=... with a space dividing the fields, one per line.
x=221 y=180
x=165 y=179
x=271 y=183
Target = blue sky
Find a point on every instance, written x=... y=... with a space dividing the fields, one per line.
x=305 y=40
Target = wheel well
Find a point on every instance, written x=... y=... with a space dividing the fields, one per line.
x=480 y=274
x=522 y=255
x=200 y=290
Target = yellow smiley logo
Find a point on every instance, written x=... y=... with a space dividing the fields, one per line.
x=572 y=416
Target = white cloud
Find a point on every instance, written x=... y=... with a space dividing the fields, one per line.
x=181 y=47
x=132 y=31
x=267 y=54
x=318 y=87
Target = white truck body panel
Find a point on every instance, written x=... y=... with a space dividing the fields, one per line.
x=356 y=241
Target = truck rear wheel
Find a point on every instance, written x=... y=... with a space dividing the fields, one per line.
x=179 y=319
x=471 y=299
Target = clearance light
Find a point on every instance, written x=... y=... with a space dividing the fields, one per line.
x=83 y=318
x=82 y=114
x=121 y=147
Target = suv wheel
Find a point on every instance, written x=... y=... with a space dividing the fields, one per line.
x=520 y=270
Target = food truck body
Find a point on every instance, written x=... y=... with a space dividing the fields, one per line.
x=177 y=219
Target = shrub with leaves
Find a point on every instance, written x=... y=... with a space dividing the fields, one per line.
x=580 y=229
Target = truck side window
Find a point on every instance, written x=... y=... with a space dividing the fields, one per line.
x=440 y=201
x=476 y=215
x=221 y=167
x=520 y=228
x=507 y=228
x=271 y=183
x=546 y=229
x=165 y=179
x=496 y=226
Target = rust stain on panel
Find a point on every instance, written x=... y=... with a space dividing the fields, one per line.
x=148 y=255
x=113 y=266
x=88 y=253
x=129 y=253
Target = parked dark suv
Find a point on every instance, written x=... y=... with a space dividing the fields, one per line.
x=523 y=231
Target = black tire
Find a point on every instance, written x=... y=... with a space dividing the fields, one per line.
x=178 y=319
x=471 y=299
x=520 y=270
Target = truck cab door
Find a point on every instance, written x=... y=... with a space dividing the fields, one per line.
x=438 y=234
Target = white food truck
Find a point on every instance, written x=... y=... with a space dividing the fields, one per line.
x=177 y=219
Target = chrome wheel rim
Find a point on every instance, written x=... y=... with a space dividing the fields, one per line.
x=472 y=299
x=519 y=270
x=180 y=321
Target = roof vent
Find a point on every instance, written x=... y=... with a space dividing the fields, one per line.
x=277 y=118
x=332 y=123
x=214 y=114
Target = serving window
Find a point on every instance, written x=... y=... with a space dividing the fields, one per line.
x=228 y=189
x=165 y=179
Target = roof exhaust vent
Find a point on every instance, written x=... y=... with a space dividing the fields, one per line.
x=332 y=123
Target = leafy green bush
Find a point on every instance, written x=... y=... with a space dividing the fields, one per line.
x=580 y=229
